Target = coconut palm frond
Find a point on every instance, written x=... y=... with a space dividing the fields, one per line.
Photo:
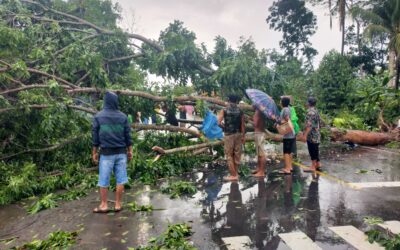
x=366 y=15
x=395 y=17
x=374 y=30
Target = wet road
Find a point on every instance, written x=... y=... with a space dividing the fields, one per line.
x=258 y=208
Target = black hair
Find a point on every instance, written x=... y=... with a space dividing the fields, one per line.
x=285 y=101
x=312 y=101
x=233 y=98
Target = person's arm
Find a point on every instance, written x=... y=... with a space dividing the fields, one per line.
x=243 y=129
x=95 y=140
x=221 y=118
x=128 y=139
x=256 y=118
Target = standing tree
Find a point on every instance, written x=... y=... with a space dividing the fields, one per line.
x=384 y=18
x=340 y=8
x=332 y=81
x=297 y=24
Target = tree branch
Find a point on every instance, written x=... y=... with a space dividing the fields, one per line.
x=165 y=128
x=46 y=149
x=123 y=58
x=100 y=30
x=78 y=83
x=26 y=87
x=44 y=106
x=32 y=70
x=95 y=27
x=78 y=41
x=159 y=98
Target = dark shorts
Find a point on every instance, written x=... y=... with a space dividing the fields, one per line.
x=288 y=145
x=313 y=150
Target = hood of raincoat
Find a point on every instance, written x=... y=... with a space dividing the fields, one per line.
x=110 y=101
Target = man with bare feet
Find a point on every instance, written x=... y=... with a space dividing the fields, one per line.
x=231 y=119
x=259 y=136
x=288 y=138
x=111 y=136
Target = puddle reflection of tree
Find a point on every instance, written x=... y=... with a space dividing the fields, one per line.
x=279 y=206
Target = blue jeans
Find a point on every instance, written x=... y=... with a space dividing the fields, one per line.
x=112 y=163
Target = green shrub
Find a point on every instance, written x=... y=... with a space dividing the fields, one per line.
x=346 y=120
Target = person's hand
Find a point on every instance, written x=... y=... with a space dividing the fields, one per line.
x=273 y=117
x=130 y=155
x=95 y=158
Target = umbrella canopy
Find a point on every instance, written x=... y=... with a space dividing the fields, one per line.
x=263 y=102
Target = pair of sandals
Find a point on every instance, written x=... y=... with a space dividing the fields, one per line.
x=98 y=210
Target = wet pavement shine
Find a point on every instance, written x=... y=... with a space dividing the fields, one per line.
x=260 y=209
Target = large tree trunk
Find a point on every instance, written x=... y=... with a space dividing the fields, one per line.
x=363 y=137
x=397 y=79
x=392 y=68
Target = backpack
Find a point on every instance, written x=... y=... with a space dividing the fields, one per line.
x=232 y=119
x=294 y=119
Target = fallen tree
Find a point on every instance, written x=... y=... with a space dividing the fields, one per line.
x=355 y=136
x=366 y=138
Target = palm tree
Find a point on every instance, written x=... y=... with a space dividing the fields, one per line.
x=383 y=17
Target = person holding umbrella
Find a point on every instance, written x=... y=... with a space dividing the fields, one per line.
x=231 y=120
x=265 y=107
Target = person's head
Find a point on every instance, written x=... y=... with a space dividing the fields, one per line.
x=311 y=101
x=285 y=101
x=110 y=100
x=290 y=98
x=181 y=108
x=165 y=108
x=233 y=98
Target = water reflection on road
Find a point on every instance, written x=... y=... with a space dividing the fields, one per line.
x=258 y=208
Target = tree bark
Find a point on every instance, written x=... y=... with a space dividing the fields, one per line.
x=392 y=68
x=396 y=81
x=363 y=137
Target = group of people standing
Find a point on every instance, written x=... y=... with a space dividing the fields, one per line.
x=232 y=120
x=112 y=144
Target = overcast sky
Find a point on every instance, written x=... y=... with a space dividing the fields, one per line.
x=228 y=18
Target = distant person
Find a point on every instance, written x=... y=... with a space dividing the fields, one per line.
x=139 y=117
x=259 y=137
x=294 y=118
x=189 y=111
x=111 y=134
x=182 y=115
x=289 y=137
x=170 y=116
x=231 y=119
x=312 y=134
